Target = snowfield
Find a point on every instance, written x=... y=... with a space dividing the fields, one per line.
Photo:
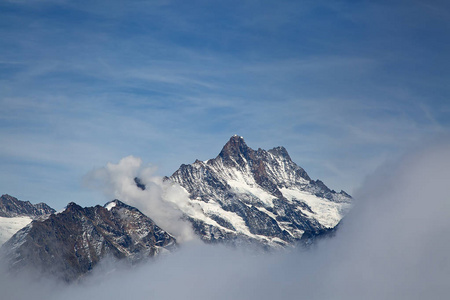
x=9 y=226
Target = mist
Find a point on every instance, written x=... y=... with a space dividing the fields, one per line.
x=393 y=245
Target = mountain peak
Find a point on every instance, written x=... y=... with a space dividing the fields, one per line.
x=275 y=198
x=117 y=203
x=236 y=140
x=235 y=146
x=280 y=151
x=72 y=206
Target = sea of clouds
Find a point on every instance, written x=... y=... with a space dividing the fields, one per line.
x=393 y=245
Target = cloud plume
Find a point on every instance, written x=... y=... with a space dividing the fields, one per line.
x=160 y=200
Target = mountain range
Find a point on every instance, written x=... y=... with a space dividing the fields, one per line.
x=243 y=196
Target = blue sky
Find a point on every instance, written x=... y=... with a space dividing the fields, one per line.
x=343 y=85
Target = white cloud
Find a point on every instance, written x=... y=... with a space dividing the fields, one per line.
x=393 y=245
x=160 y=200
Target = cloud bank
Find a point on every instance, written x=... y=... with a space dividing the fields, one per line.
x=393 y=245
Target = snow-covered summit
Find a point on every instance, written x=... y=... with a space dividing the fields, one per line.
x=258 y=195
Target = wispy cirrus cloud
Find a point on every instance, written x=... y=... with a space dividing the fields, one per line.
x=341 y=85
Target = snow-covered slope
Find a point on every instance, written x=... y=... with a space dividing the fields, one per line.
x=16 y=214
x=260 y=196
x=9 y=226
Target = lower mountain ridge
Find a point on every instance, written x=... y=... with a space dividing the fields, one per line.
x=70 y=243
x=13 y=207
x=16 y=214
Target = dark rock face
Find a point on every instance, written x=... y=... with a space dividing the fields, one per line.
x=139 y=184
x=69 y=244
x=12 y=207
x=258 y=195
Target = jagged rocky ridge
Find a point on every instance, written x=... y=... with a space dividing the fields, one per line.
x=248 y=195
x=12 y=207
x=69 y=244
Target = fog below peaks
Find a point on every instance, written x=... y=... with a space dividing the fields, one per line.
x=393 y=245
